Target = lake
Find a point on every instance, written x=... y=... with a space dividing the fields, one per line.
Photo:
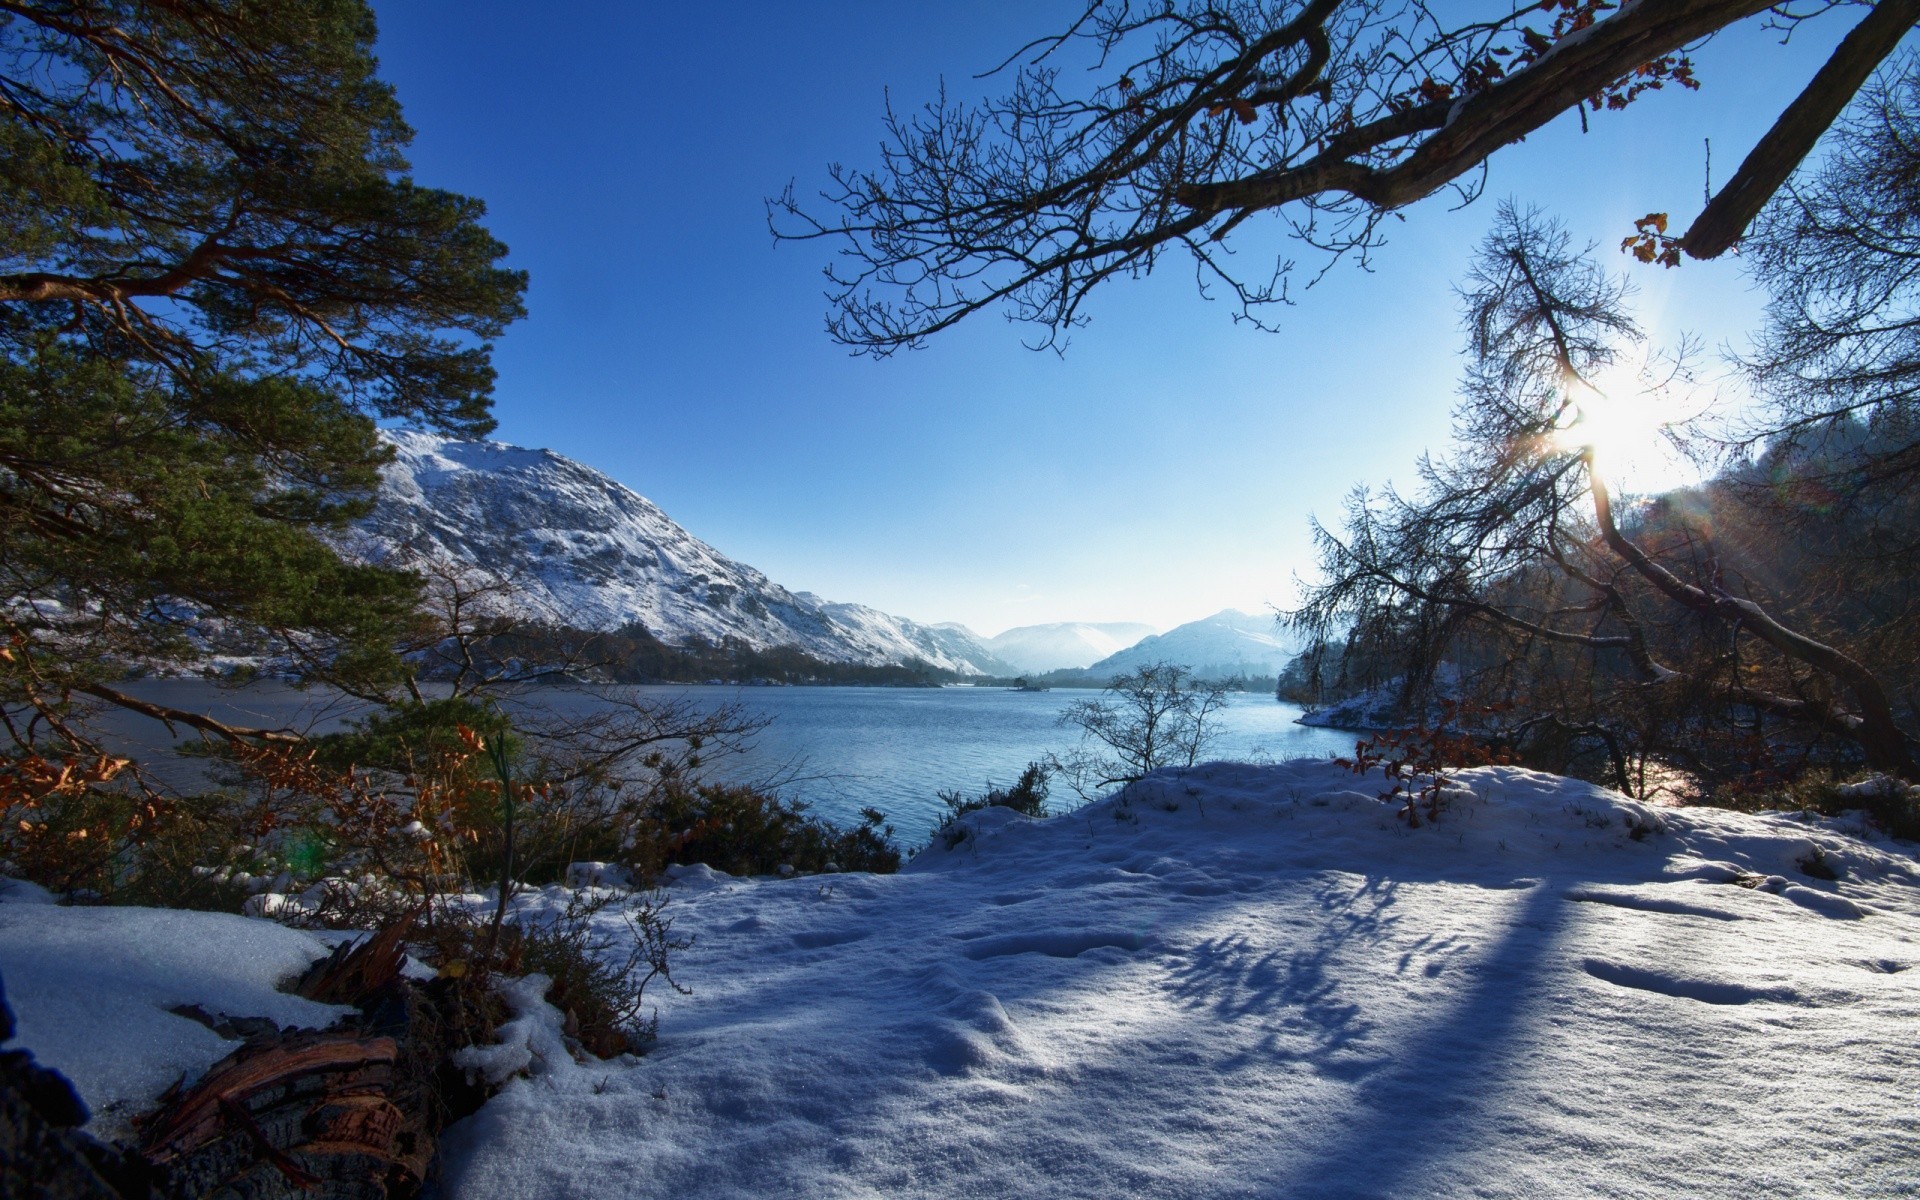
x=843 y=748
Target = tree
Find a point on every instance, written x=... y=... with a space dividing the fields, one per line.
x=1841 y=341
x=1516 y=538
x=215 y=274
x=1331 y=114
x=1154 y=716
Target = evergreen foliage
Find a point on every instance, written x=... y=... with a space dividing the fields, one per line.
x=632 y=654
x=215 y=275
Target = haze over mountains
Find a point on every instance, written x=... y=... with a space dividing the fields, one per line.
x=584 y=551
x=1041 y=648
x=1228 y=643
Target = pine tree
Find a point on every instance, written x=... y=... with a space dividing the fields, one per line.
x=216 y=275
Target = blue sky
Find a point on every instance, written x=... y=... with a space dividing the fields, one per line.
x=1165 y=468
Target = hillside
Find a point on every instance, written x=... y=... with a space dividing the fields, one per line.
x=586 y=552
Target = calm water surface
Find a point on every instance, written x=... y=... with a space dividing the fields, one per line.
x=842 y=748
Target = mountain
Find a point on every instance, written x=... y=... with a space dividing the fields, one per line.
x=1041 y=648
x=1229 y=642
x=582 y=550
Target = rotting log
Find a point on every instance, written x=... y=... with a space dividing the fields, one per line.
x=307 y=1114
x=338 y=1114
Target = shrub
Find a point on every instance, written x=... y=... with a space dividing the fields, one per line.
x=1889 y=803
x=1027 y=795
x=600 y=978
x=744 y=831
x=1417 y=762
x=1155 y=716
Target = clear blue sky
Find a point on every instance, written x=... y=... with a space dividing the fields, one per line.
x=1162 y=470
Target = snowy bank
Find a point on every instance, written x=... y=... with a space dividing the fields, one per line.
x=1255 y=981
x=1236 y=981
x=94 y=992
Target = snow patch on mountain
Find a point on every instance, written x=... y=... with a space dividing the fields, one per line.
x=585 y=551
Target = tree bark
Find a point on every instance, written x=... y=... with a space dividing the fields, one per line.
x=1878 y=735
x=1469 y=130
x=1812 y=113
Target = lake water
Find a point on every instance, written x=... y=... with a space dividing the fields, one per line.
x=843 y=748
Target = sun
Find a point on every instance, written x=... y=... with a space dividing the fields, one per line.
x=1631 y=431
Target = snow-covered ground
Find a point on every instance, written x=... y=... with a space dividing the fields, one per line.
x=1242 y=981
x=93 y=991
x=1253 y=981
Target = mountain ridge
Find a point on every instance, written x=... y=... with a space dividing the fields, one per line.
x=583 y=550
x=1228 y=642
x=1065 y=644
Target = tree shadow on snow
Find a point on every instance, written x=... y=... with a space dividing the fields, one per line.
x=1441 y=1091
x=1295 y=989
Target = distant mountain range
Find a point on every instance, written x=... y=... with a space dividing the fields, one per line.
x=1039 y=648
x=1228 y=643
x=584 y=551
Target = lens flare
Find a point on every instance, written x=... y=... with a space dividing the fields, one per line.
x=1631 y=431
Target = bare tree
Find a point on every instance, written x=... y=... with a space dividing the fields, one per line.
x=1837 y=251
x=1331 y=114
x=1152 y=717
x=1517 y=533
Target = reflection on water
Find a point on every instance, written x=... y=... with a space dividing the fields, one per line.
x=844 y=748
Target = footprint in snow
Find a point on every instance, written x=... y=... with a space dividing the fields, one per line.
x=1645 y=903
x=818 y=939
x=1884 y=966
x=1061 y=943
x=1706 y=991
x=973 y=1032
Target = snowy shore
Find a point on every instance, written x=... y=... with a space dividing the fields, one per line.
x=1249 y=981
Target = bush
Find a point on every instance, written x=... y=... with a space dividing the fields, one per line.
x=1152 y=717
x=743 y=831
x=599 y=979
x=1418 y=763
x=1027 y=795
x=599 y=971
x=1889 y=803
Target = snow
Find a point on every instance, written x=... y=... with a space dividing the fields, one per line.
x=1382 y=707
x=580 y=549
x=1228 y=641
x=1256 y=981
x=531 y=1042
x=1233 y=981
x=91 y=989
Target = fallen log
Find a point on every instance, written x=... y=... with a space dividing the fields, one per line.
x=307 y=1114
x=339 y=1114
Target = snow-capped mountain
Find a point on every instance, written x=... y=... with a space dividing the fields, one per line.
x=1066 y=644
x=1227 y=642
x=585 y=551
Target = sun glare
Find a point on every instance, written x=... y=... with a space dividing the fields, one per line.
x=1630 y=430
